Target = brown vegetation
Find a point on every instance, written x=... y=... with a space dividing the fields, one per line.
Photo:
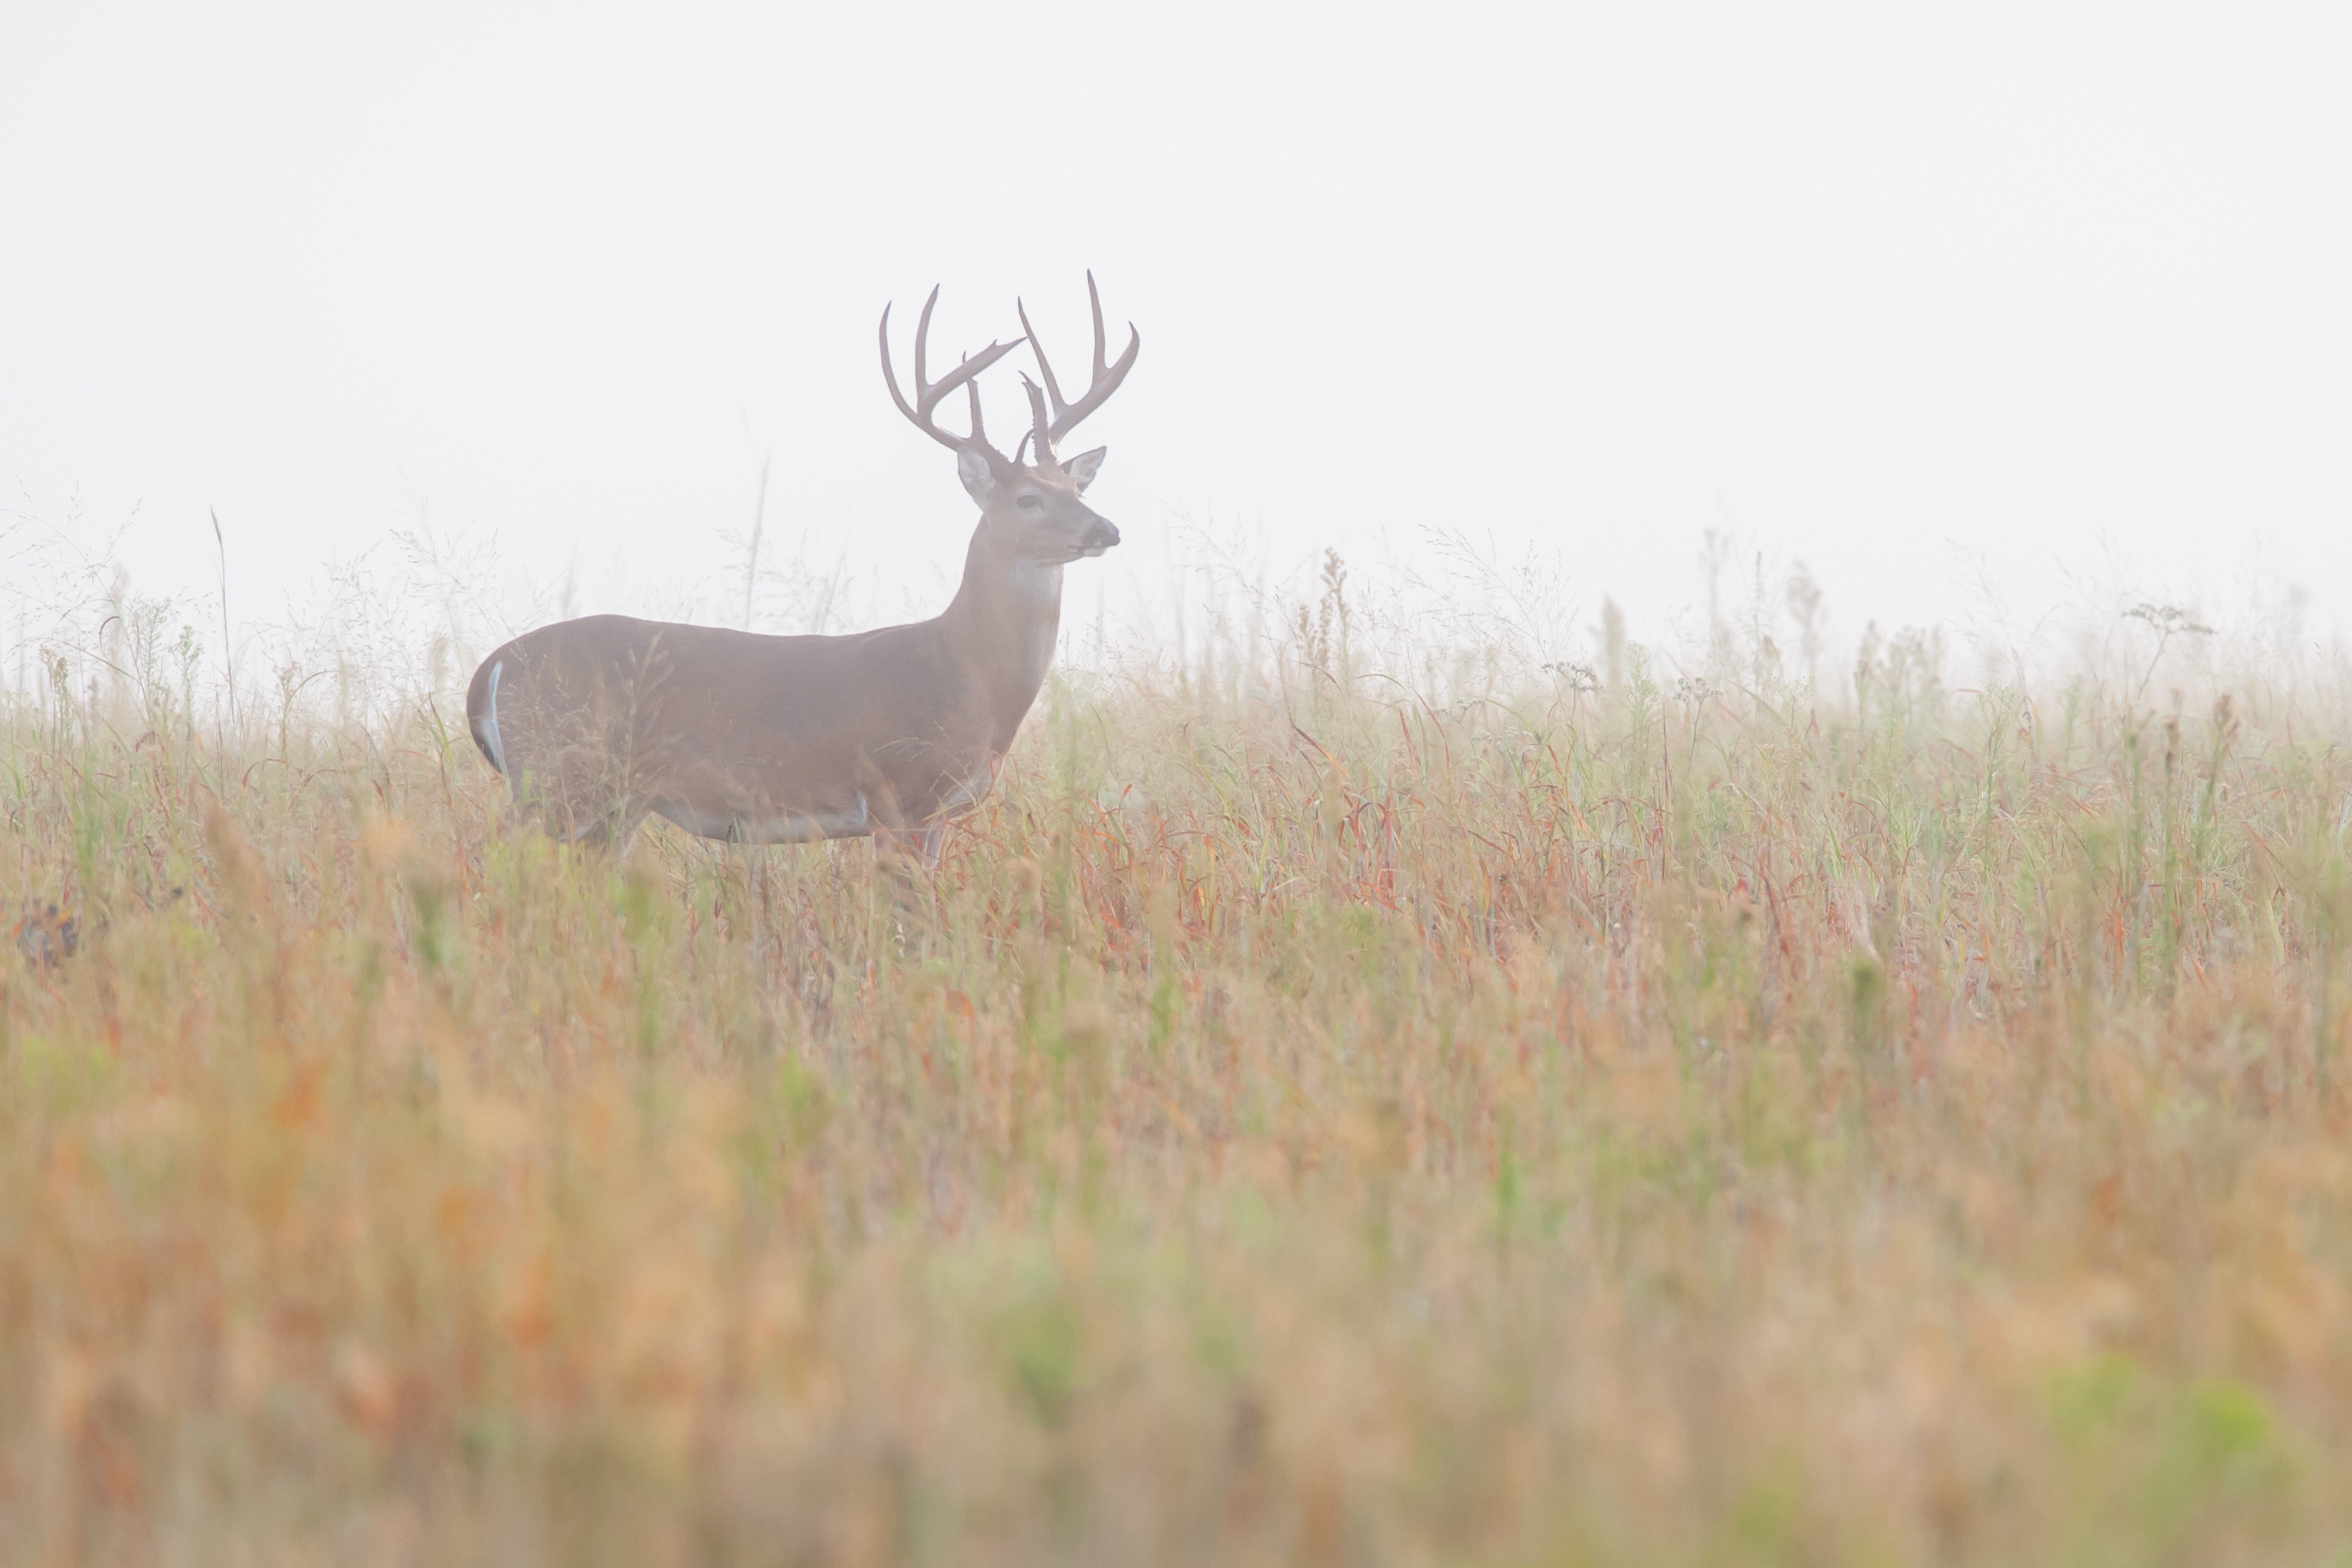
x=1603 y=1127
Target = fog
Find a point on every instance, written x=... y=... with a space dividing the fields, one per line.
x=2048 y=299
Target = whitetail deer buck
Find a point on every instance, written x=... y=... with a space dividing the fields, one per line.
x=757 y=739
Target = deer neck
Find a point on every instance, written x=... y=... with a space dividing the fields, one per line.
x=1001 y=626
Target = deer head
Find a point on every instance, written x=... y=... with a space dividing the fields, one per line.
x=1029 y=510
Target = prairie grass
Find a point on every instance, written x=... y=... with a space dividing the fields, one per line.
x=1306 y=1124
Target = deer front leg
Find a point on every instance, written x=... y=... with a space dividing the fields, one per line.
x=910 y=849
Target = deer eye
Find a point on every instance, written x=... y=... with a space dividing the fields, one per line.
x=1030 y=501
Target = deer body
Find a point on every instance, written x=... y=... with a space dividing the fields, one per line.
x=759 y=739
x=598 y=722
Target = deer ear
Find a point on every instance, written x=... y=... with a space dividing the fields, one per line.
x=1084 y=467
x=971 y=467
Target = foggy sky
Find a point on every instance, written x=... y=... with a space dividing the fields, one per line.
x=1889 y=288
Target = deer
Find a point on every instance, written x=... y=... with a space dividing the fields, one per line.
x=599 y=722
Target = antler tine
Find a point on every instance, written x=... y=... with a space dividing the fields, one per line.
x=929 y=393
x=922 y=342
x=890 y=376
x=1094 y=303
x=977 y=434
x=1037 y=347
x=1106 y=379
x=1039 y=426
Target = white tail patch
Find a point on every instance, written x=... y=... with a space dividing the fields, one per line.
x=490 y=721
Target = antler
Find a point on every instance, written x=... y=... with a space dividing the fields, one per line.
x=1040 y=427
x=929 y=393
x=1106 y=377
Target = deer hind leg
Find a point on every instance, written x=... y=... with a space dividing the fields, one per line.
x=587 y=794
x=589 y=819
x=606 y=833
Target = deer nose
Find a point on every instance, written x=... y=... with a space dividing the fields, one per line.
x=1100 y=534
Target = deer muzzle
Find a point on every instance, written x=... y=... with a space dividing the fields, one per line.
x=1099 y=536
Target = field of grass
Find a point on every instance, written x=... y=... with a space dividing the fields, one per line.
x=1299 y=1123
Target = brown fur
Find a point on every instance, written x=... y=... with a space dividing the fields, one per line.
x=736 y=736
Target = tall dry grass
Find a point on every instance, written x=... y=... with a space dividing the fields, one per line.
x=1301 y=1121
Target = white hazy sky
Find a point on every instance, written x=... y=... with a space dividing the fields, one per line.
x=1884 y=286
